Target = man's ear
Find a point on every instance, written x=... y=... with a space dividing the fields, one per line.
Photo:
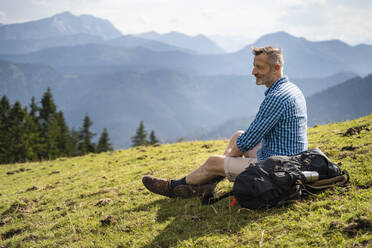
x=277 y=67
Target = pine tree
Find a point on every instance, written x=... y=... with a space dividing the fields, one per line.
x=17 y=147
x=85 y=136
x=153 y=139
x=4 y=126
x=48 y=109
x=63 y=136
x=34 y=109
x=4 y=114
x=104 y=144
x=74 y=143
x=140 y=138
x=33 y=139
x=49 y=128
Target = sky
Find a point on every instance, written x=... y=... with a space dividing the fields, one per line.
x=247 y=20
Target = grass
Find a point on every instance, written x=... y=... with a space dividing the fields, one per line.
x=99 y=201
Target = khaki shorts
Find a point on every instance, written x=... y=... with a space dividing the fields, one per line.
x=235 y=165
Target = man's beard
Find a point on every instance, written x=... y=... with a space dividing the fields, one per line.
x=263 y=80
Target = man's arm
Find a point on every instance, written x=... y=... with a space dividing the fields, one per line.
x=267 y=117
x=233 y=151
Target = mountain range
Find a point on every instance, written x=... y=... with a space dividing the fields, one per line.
x=300 y=61
x=199 y=43
x=59 y=25
x=180 y=86
x=345 y=101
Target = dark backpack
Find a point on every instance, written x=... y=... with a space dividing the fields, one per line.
x=280 y=179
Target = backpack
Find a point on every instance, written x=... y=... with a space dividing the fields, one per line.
x=282 y=179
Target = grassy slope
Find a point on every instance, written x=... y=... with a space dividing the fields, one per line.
x=99 y=201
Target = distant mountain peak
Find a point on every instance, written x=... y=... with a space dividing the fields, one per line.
x=59 y=25
x=64 y=14
x=276 y=35
x=198 y=43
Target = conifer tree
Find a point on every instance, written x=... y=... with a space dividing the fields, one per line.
x=74 y=142
x=48 y=109
x=4 y=124
x=140 y=138
x=85 y=136
x=17 y=147
x=33 y=139
x=104 y=144
x=49 y=128
x=19 y=138
x=153 y=139
x=34 y=109
x=63 y=136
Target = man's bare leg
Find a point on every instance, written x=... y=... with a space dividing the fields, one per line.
x=214 y=166
x=212 y=169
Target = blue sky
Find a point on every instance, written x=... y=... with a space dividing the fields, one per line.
x=348 y=20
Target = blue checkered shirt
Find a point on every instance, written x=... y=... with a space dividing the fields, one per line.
x=281 y=123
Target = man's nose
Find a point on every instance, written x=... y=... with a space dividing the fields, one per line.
x=254 y=71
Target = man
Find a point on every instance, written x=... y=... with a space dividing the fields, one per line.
x=279 y=128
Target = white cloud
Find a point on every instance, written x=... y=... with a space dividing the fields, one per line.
x=337 y=21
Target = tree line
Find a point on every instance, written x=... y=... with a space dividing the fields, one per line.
x=140 y=139
x=41 y=132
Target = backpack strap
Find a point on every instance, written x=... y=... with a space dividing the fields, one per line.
x=210 y=199
x=330 y=182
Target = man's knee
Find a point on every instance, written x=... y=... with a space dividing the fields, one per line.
x=237 y=134
x=215 y=164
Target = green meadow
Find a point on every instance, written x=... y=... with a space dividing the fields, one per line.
x=98 y=200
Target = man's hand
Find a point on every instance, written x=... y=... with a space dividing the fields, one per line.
x=232 y=150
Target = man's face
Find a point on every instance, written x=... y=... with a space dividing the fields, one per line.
x=263 y=71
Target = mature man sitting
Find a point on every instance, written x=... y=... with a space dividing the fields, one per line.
x=279 y=128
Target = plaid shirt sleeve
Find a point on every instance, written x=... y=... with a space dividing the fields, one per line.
x=267 y=117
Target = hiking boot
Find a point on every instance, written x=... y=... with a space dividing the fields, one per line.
x=158 y=186
x=189 y=191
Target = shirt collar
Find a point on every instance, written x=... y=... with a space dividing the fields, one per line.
x=276 y=84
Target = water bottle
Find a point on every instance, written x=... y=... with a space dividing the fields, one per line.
x=311 y=176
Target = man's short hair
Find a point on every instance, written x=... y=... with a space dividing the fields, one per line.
x=274 y=55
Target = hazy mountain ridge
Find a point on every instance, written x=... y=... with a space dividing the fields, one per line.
x=319 y=57
x=126 y=41
x=222 y=131
x=346 y=101
x=28 y=46
x=199 y=43
x=59 y=25
x=310 y=86
x=316 y=64
x=303 y=58
x=66 y=29
x=22 y=81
